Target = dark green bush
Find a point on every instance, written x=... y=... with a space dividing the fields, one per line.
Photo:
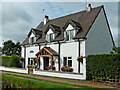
x=103 y=67
x=5 y=60
x=14 y=61
x=11 y=61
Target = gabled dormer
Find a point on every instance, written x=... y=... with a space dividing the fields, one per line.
x=71 y=29
x=52 y=32
x=34 y=35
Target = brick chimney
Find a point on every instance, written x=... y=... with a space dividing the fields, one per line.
x=89 y=8
x=46 y=19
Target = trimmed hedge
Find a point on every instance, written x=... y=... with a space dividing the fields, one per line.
x=11 y=61
x=103 y=67
x=5 y=60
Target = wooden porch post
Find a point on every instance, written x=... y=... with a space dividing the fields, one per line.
x=52 y=62
x=37 y=61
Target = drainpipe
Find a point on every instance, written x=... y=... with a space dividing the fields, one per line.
x=78 y=55
x=24 y=55
x=59 y=55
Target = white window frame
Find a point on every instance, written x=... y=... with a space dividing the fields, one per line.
x=69 y=34
x=67 y=61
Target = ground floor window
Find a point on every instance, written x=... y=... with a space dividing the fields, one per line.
x=31 y=61
x=67 y=61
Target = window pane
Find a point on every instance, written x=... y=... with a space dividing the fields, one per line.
x=71 y=34
x=65 y=61
x=69 y=57
x=67 y=35
x=70 y=63
x=51 y=37
x=31 y=62
x=28 y=61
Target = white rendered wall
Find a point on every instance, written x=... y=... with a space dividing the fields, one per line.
x=69 y=27
x=70 y=50
x=22 y=54
x=50 y=31
x=31 y=55
x=98 y=38
x=32 y=35
x=22 y=51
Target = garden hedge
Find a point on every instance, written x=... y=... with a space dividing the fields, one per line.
x=103 y=67
x=11 y=61
x=5 y=60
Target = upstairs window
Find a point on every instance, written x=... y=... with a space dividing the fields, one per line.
x=50 y=37
x=69 y=35
x=32 y=40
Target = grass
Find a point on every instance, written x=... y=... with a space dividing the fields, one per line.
x=66 y=84
x=36 y=77
x=24 y=83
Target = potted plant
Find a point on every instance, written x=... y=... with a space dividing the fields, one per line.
x=21 y=59
x=52 y=67
x=67 y=68
x=80 y=59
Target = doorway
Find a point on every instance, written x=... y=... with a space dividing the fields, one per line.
x=46 y=62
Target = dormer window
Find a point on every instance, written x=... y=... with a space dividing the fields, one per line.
x=50 y=37
x=69 y=35
x=71 y=29
x=32 y=40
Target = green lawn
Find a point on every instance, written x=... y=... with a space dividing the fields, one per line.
x=25 y=82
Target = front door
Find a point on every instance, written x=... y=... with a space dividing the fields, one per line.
x=46 y=62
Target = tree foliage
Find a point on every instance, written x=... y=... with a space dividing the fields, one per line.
x=9 y=48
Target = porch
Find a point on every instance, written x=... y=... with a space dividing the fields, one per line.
x=46 y=58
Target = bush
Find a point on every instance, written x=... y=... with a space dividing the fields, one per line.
x=14 y=61
x=103 y=67
x=5 y=60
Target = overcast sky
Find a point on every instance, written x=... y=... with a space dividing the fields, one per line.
x=19 y=17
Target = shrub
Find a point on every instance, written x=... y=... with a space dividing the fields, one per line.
x=14 y=61
x=5 y=60
x=103 y=67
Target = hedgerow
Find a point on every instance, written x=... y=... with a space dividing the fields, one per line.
x=103 y=67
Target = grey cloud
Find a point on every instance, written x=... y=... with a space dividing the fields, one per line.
x=14 y=13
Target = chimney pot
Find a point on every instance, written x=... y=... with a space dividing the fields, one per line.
x=88 y=8
x=46 y=16
x=46 y=19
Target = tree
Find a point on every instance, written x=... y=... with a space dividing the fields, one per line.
x=116 y=50
x=9 y=48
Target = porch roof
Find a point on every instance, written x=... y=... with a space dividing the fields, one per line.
x=47 y=51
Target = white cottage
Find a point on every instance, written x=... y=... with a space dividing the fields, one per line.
x=62 y=40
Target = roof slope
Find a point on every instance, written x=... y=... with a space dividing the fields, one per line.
x=84 y=18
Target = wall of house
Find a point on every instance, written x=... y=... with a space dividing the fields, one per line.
x=35 y=49
x=98 y=38
x=55 y=58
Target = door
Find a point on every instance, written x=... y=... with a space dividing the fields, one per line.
x=46 y=62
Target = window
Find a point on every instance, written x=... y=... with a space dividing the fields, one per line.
x=67 y=61
x=32 y=40
x=28 y=61
x=70 y=63
x=50 y=37
x=69 y=35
